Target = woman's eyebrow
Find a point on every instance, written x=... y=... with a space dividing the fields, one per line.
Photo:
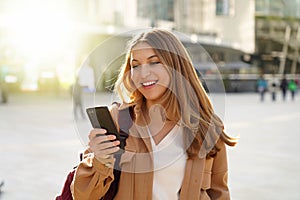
x=153 y=56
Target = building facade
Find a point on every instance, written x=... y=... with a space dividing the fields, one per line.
x=220 y=22
x=277 y=36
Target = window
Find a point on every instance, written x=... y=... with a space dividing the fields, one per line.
x=224 y=7
x=156 y=9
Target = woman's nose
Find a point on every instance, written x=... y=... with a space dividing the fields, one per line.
x=145 y=71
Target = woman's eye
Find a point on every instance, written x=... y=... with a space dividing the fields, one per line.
x=134 y=66
x=154 y=63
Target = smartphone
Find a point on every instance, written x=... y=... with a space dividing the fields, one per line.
x=100 y=117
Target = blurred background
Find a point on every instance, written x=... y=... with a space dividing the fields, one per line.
x=46 y=46
x=43 y=43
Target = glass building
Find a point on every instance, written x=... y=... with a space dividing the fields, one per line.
x=279 y=8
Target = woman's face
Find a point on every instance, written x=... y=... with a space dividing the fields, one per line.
x=149 y=75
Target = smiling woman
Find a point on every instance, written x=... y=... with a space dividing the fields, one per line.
x=175 y=146
x=149 y=75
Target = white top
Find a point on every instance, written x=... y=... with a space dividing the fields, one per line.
x=169 y=165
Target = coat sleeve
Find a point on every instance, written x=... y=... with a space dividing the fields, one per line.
x=219 y=175
x=92 y=179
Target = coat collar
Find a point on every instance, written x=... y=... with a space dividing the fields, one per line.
x=137 y=130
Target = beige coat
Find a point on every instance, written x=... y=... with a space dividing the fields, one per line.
x=203 y=179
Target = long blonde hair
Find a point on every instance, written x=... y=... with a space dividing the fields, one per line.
x=186 y=98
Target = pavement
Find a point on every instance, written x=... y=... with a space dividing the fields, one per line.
x=40 y=142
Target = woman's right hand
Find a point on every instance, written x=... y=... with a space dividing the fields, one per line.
x=103 y=146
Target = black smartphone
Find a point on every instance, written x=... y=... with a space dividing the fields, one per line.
x=100 y=117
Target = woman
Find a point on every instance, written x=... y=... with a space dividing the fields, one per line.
x=176 y=145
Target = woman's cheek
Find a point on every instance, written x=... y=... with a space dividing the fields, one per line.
x=135 y=80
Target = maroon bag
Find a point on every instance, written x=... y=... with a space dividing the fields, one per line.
x=66 y=192
x=125 y=122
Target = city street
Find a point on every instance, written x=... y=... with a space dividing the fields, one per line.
x=40 y=141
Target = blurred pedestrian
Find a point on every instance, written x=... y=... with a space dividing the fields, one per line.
x=3 y=85
x=284 y=87
x=262 y=87
x=176 y=145
x=292 y=86
x=273 y=87
x=1 y=184
x=77 y=90
x=3 y=92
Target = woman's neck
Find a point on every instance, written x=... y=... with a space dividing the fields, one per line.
x=155 y=118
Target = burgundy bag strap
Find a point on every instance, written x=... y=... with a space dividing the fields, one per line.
x=66 y=191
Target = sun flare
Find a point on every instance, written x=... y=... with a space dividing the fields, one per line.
x=39 y=36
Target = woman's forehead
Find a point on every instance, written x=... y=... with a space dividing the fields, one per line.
x=141 y=46
x=142 y=50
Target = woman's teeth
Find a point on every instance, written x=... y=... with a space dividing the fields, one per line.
x=149 y=83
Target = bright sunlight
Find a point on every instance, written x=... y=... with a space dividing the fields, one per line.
x=40 y=36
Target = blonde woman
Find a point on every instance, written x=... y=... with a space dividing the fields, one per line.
x=176 y=144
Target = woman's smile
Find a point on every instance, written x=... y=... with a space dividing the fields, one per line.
x=149 y=84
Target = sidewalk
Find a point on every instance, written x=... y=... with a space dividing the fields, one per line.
x=265 y=164
x=40 y=143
